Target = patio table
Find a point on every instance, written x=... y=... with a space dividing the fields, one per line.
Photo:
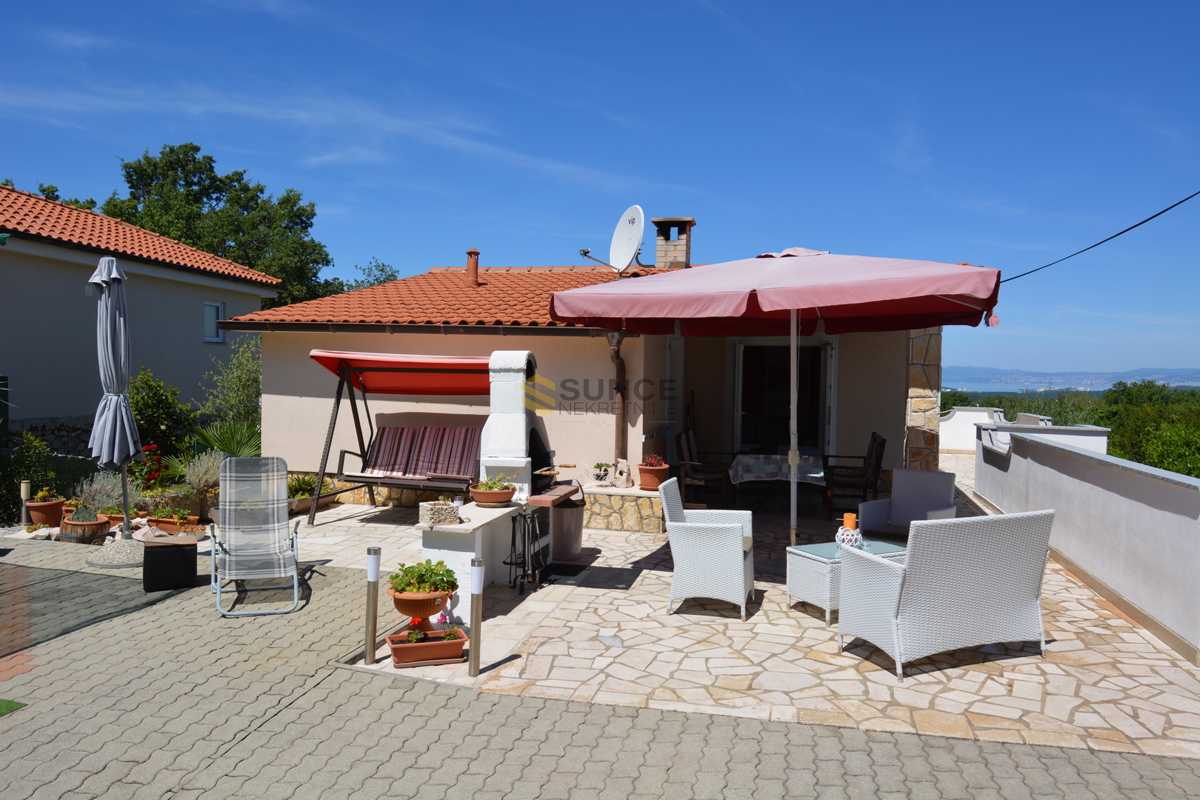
x=762 y=467
x=814 y=571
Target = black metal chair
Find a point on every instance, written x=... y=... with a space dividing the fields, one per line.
x=693 y=471
x=857 y=479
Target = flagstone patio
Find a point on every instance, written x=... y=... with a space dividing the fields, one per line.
x=1105 y=683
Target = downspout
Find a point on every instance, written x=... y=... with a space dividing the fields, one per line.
x=614 y=349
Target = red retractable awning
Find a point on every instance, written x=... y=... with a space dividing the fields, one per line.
x=392 y=373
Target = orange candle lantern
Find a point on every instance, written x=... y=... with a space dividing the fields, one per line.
x=850 y=521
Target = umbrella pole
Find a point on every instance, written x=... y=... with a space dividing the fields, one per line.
x=794 y=452
x=125 y=534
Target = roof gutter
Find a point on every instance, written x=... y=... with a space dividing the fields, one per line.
x=261 y=326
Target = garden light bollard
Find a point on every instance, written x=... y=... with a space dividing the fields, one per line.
x=372 y=604
x=476 y=616
x=25 y=495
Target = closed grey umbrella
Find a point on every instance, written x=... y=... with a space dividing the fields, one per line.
x=115 y=442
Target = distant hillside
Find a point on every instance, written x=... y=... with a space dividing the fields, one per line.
x=953 y=377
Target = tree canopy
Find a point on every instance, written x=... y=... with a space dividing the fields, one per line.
x=180 y=194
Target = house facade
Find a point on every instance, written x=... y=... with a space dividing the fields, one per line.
x=732 y=391
x=176 y=297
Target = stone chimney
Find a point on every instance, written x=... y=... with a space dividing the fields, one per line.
x=472 y=267
x=674 y=250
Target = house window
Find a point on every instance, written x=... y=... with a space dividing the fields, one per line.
x=212 y=313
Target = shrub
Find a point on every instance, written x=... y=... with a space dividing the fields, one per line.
x=25 y=462
x=236 y=391
x=238 y=438
x=305 y=486
x=103 y=490
x=160 y=416
x=204 y=471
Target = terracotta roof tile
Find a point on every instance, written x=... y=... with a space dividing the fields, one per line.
x=35 y=216
x=505 y=296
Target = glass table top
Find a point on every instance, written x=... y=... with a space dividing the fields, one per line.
x=831 y=551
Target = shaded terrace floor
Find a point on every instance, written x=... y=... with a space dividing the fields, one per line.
x=1105 y=683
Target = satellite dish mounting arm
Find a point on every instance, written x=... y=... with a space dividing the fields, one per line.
x=586 y=253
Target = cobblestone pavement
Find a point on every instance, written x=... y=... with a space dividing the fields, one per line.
x=167 y=700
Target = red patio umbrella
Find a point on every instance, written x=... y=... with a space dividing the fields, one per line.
x=788 y=293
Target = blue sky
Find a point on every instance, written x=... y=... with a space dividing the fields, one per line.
x=1004 y=134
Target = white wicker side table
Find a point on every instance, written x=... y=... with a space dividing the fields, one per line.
x=814 y=571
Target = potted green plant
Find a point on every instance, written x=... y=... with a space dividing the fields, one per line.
x=417 y=646
x=438 y=512
x=652 y=471
x=46 y=507
x=85 y=527
x=302 y=488
x=494 y=492
x=421 y=590
x=601 y=471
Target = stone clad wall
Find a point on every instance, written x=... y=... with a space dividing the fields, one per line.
x=623 y=512
x=66 y=435
x=922 y=412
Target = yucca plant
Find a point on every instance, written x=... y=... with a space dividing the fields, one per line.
x=237 y=438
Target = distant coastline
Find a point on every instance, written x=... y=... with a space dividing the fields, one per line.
x=990 y=379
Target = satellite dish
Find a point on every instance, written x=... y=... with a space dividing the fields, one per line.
x=627 y=239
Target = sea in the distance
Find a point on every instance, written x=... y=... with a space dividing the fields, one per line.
x=1012 y=387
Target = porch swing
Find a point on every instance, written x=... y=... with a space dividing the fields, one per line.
x=424 y=458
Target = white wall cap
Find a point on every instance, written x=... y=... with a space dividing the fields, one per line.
x=510 y=365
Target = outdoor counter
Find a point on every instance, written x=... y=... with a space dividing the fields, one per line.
x=484 y=533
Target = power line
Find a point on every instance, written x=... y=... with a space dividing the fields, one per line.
x=1097 y=244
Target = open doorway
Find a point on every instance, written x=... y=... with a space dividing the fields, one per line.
x=761 y=421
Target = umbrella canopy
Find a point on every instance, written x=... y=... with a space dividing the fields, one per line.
x=788 y=293
x=114 y=442
x=755 y=296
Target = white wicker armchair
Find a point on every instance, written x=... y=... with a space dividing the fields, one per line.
x=964 y=583
x=713 y=550
x=916 y=494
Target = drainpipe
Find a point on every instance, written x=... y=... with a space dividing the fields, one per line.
x=472 y=267
x=614 y=350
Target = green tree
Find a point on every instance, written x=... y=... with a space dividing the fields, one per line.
x=160 y=416
x=953 y=398
x=50 y=192
x=236 y=391
x=373 y=274
x=1175 y=447
x=180 y=194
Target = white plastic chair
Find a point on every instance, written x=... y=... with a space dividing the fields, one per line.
x=713 y=550
x=916 y=494
x=964 y=583
x=252 y=540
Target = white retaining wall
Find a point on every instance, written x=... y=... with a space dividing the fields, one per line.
x=956 y=428
x=1131 y=531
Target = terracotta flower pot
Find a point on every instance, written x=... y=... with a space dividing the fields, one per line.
x=49 y=513
x=651 y=477
x=172 y=524
x=419 y=605
x=85 y=532
x=432 y=648
x=492 y=497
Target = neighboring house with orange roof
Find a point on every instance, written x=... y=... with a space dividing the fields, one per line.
x=731 y=390
x=177 y=295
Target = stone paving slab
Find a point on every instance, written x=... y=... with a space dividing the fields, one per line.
x=169 y=700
